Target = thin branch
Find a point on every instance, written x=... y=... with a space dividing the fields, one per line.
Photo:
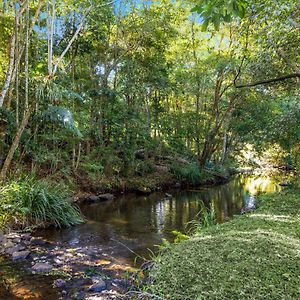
x=267 y=81
x=74 y=37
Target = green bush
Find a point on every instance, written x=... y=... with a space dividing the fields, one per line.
x=142 y=167
x=187 y=172
x=29 y=202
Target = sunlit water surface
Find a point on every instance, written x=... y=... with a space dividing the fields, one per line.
x=135 y=224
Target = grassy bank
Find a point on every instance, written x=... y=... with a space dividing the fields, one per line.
x=254 y=256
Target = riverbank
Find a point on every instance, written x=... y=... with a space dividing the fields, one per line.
x=161 y=178
x=254 y=256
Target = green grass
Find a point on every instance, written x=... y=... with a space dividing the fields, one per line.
x=28 y=202
x=254 y=256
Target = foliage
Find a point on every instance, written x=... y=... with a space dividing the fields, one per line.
x=179 y=236
x=205 y=219
x=217 y=11
x=28 y=202
x=146 y=77
x=187 y=172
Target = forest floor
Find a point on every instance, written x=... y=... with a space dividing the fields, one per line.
x=253 y=256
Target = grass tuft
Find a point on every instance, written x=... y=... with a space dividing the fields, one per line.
x=28 y=202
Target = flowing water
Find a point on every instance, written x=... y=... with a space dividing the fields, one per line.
x=134 y=224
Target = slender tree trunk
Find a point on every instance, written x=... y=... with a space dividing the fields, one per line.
x=50 y=32
x=14 y=146
x=224 y=150
x=9 y=72
x=27 y=59
x=78 y=156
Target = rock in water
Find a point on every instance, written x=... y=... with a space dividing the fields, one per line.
x=107 y=196
x=20 y=255
x=42 y=267
x=98 y=286
x=59 y=283
x=100 y=198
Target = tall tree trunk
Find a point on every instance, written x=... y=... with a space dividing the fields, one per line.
x=26 y=58
x=9 y=72
x=14 y=146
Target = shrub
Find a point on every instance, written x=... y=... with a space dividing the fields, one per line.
x=187 y=172
x=142 y=167
x=29 y=202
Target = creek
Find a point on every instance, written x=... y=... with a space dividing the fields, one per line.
x=116 y=232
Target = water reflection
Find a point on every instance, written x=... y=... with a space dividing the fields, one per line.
x=140 y=222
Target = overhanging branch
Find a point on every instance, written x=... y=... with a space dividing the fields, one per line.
x=267 y=81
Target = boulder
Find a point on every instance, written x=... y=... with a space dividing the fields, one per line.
x=20 y=255
x=42 y=267
x=8 y=244
x=177 y=185
x=12 y=236
x=38 y=242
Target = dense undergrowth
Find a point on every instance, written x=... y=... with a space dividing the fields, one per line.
x=254 y=256
x=29 y=202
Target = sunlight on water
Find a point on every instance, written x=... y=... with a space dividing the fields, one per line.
x=140 y=222
x=261 y=184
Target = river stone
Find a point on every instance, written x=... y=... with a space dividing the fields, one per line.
x=98 y=286
x=107 y=196
x=177 y=185
x=15 y=249
x=100 y=198
x=42 y=267
x=8 y=244
x=26 y=236
x=20 y=255
x=59 y=283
